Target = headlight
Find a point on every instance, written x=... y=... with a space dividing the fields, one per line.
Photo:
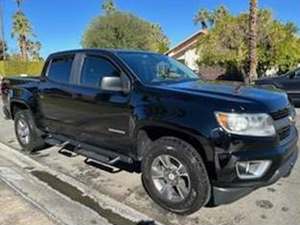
x=248 y=124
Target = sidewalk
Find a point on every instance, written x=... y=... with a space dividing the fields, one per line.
x=58 y=197
x=15 y=210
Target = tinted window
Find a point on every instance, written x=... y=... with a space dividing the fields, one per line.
x=152 y=68
x=60 y=69
x=94 y=69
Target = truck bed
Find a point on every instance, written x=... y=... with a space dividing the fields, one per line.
x=16 y=80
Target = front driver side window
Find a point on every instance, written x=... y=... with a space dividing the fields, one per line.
x=94 y=69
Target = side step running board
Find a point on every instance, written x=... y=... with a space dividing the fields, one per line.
x=91 y=152
x=67 y=152
x=52 y=141
x=63 y=145
x=102 y=165
x=97 y=157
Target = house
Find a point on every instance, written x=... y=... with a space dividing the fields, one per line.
x=186 y=51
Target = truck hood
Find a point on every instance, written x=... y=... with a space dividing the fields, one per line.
x=272 y=98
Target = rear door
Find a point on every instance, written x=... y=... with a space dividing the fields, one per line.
x=56 y=96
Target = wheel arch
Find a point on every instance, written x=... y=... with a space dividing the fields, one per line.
x=17 y=104
x=148 y=134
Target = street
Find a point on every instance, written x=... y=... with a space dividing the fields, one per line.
x=65 y=190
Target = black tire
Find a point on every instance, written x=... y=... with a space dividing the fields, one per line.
x=200 y=189
x=35 y=142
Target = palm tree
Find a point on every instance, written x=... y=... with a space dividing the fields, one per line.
x=219 y=14
x=109 y=7
x=3 y=50
x=2 y=38
x=208 y=19
x=203 y=17
x=21 y=29
x=252 y=75
x=19 y=2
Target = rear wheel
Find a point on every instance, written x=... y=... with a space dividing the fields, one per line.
x=175 y=177
x=27 y=132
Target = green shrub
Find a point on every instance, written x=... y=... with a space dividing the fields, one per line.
x=1 y=68
x=16 y=67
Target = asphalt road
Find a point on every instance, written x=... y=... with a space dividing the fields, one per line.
x=276 y=204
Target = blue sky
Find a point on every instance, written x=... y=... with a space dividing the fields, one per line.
x=59 y=24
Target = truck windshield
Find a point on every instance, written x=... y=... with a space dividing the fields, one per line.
x=155 y=68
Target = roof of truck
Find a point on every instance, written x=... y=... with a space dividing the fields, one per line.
x=74 y=51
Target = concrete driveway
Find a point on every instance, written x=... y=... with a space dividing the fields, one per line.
x=276 y=204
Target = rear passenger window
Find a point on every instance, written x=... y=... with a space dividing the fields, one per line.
x=60 y=69
x=94 y=69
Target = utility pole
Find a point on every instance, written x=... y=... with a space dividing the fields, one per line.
x=2 y=37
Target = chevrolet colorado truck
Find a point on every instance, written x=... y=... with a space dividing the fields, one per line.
x=195 y=143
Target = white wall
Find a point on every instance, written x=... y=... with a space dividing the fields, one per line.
x=190 y=58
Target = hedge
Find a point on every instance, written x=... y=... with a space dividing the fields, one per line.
x=15 y=67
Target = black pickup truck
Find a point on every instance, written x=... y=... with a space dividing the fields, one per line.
x=196 y=143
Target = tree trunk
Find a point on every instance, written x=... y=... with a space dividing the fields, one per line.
x=23 y=47
x=252 y=74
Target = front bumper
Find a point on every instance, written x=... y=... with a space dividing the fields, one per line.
x=224 y=195
x=228 y=187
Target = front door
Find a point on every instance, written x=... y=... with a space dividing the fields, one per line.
x=103 y=117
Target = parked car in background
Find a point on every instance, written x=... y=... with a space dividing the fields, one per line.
x=290 y=82
x=195 y=142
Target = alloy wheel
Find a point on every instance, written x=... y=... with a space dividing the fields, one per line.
x=170 y=178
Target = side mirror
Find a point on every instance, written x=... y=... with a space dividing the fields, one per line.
x=122 y=84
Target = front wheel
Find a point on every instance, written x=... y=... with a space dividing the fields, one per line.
x=175 y=177
x=27 y=132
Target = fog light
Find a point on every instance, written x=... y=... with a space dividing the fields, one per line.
x=252 y=169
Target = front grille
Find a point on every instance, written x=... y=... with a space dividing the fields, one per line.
x=280 y=114
x=284 y=132
x=282 y=123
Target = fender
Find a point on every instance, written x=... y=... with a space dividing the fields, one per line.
x=142 y=131
x=24 y=97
